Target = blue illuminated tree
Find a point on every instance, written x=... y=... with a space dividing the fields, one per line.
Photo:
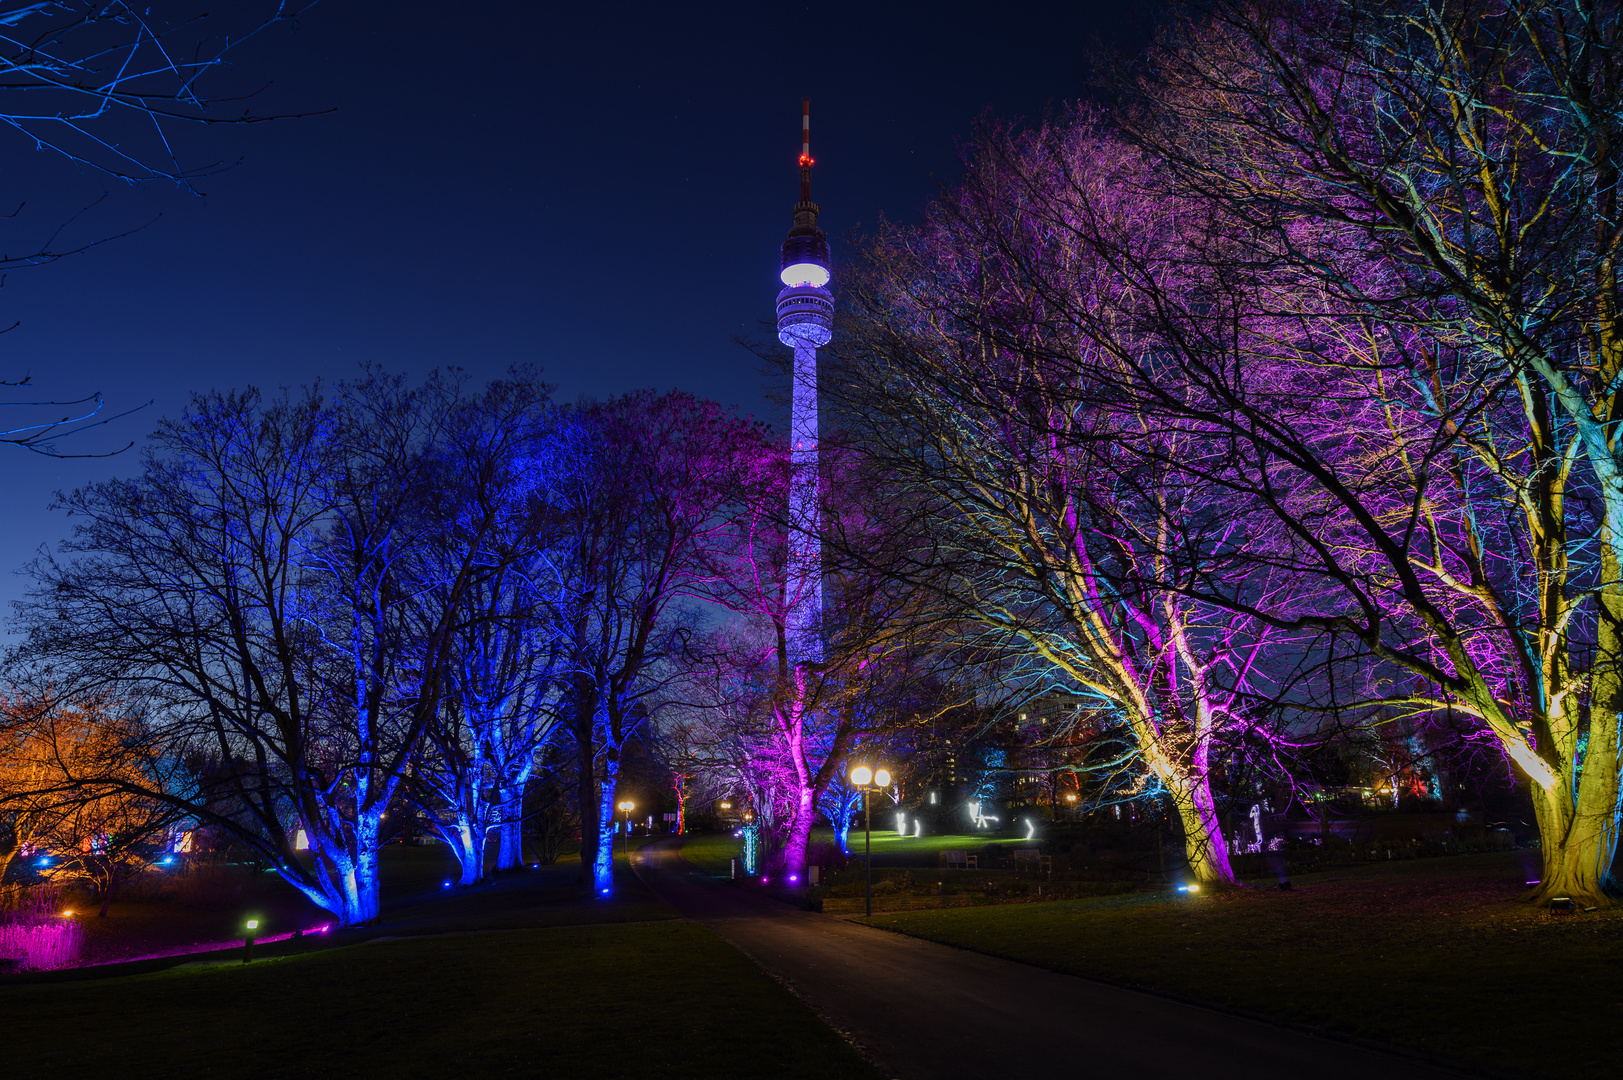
x=641 y=494
x=263 y=592
x=840 y=803
x=503 y=681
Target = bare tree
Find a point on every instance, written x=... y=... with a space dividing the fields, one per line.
x=1057 y=527
x=1416 y=206
x=640 y=498
x=504 y=685
x=257 y=592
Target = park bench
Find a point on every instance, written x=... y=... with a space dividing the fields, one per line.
x=960 y=860
x=1043 y=863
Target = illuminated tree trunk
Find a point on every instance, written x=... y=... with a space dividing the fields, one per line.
x=1577 y=807
x=510 y=830
x=1203 y=842
x=794 y=849
x=468 y=845
x=1578 y=842
x=603 y=862
x=352 y=895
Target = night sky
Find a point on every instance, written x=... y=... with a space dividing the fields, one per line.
x=597 y=189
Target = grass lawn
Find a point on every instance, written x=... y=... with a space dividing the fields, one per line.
x=652 y=1000
x=713 y=852
x=522 y=899
x=1433 y=954
x=892 y=850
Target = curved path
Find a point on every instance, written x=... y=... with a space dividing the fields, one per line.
x=932 y=1012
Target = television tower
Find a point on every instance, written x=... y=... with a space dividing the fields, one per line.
x=805 y=322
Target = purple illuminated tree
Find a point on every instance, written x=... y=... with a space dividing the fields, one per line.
x=800 y=713
x=1411 y=329
x=1058 y=527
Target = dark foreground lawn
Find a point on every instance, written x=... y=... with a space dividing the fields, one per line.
x=1433 y=954
x=653 y=1000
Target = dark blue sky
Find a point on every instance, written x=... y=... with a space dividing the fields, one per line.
x=598 y=189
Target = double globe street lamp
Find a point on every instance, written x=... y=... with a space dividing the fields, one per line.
x=868 y=781
x=627 y=806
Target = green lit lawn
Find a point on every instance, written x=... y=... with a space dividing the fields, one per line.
x=890 y=849
x=713 y=852
x=1433 y=954
x=652 y=1000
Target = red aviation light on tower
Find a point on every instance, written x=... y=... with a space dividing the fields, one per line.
x=805 y=253
x=806 y=161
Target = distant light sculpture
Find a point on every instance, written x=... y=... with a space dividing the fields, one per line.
x=805 y=324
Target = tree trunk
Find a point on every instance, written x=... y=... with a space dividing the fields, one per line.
x=1203 y=842
x=603 y=863
x=1577 y=809
x=1578 y=840
x=510 y=836
x=365 y=898
x=584 y=727
x=468 y=845
x=794 y=849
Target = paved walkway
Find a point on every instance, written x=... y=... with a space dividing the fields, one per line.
x=931 y=1012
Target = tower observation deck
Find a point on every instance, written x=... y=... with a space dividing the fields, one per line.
x=805 y=323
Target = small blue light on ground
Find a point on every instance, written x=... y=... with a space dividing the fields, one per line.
x=168 y=860
x=605 y=892
x=446 y=884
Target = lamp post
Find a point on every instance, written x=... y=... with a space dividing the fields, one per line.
x=870 y=781
x=250 y=927
x=628 y=806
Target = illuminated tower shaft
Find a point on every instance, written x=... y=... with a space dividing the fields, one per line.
x=805 y=323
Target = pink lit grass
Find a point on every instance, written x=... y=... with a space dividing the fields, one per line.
x=41 y=946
